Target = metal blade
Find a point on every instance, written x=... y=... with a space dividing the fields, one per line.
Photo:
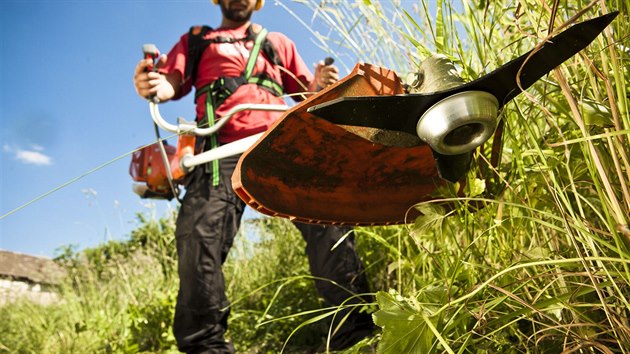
x=401 y=112
x=535 y=64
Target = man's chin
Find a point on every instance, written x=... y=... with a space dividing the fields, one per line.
x=237 y=15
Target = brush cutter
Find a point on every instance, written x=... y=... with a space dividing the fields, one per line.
x=365 y=150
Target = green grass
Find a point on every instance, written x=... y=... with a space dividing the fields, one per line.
x=120 y=297
x=542 y=267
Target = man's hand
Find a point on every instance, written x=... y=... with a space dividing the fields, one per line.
x=151 y=84
x=325 y=75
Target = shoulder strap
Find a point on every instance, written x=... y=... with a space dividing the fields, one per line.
x=270 y=52
x=253 y=54
x=196 y=47
x=267 y=47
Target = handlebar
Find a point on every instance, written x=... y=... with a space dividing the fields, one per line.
x=185 y=159
x=189 y=127
x=188 y=162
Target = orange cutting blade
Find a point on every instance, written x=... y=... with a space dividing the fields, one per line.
x=311 y=170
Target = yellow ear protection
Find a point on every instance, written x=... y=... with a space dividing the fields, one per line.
x=259 y=4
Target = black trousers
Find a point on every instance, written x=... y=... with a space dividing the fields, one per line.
x=207 y=223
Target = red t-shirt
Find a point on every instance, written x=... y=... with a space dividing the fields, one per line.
x=229 y=60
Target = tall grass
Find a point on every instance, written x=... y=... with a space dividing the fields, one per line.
x=117 y=298
x=544 y=265
x=120 y=297
x=271 y=291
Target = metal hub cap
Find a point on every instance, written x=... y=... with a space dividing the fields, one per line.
x=459 y=123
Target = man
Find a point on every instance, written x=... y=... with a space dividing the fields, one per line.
x=229 y=72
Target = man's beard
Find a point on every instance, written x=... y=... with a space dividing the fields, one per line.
x=235 y=15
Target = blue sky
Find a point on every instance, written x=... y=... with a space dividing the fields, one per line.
x=68 y=106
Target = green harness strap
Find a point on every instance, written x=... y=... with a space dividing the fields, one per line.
x=218 y=91
x=213 y=141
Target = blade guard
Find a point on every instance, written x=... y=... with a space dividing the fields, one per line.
x=308 y=169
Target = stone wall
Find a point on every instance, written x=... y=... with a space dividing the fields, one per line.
x=28 y=277
x=12 y=290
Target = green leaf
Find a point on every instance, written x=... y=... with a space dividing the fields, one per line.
x=431 y=209
x=405 y=329
x=595 y=113
x=475 y=187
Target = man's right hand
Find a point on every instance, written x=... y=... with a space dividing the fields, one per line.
x=326 y=74
x=151 y=84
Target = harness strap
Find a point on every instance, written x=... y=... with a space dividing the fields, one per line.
x=212 y=141
x=223 y=87
x=267 y=83
x=219 y=90
x=253 y=55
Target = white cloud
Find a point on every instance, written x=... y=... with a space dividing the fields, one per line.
x=33 y=157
